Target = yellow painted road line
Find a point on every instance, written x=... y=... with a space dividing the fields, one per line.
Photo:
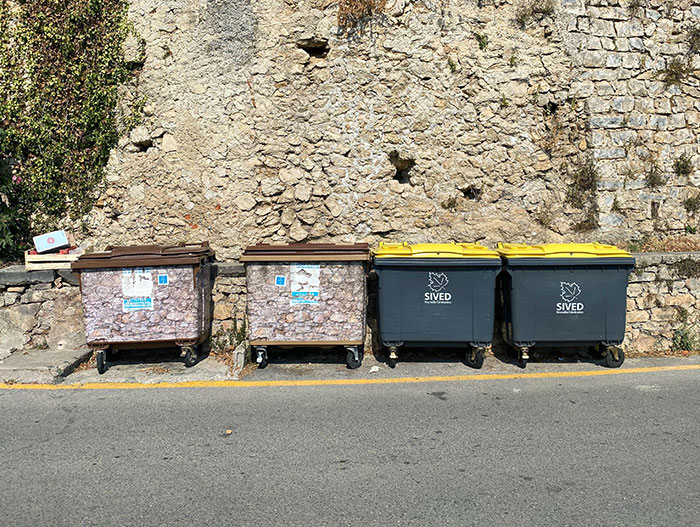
x=342 y=382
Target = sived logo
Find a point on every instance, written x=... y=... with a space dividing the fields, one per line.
x=437 y=282
x=569 y=292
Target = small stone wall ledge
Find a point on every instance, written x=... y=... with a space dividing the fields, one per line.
x=17 y=275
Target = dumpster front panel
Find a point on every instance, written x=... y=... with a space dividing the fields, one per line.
x=145 y=304
x=566 y=304
x=422 y=304
x=292 y=302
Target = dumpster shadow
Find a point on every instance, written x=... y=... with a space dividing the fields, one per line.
x=144 y=356
x=546 y=355
x=308 y=355
x=431 y=354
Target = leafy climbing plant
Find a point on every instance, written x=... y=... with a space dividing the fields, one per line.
x=61 y=65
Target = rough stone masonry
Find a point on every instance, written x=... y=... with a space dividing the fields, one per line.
x=442 y=120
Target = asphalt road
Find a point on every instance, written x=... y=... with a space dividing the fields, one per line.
x=612 y=450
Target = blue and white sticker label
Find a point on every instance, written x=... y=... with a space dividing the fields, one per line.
x=304 y=297
x=137 y=282
x=134 y=304
x=280 y=280
x=304 y=283
x=163 y=278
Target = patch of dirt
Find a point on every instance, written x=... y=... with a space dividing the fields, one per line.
x=673 y=244
x=667 y=353
x=247 y=370
x=88 y=364
x=155 y=369
x=225 y=357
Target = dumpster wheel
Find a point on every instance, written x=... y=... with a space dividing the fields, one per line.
x=260 y=356
x=523 y=356
x=353 y=357
x=191 y=357
x=614 y=357
x=393 y=356
x=101 y=359
x=474 y=358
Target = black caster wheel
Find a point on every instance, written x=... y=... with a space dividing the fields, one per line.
x=391 y=363
x=350 y=360
x=101 y=358
x=522 y=363
x=611 y=361
x=191 y=357
x=477 y=362
x=260 y=355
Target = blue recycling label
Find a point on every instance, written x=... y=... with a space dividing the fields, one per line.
x=304 y=297
x=162 y=279
x=132 y=304
x=280 y=280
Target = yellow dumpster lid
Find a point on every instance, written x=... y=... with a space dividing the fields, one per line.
x=561 y=250
x=434 y=250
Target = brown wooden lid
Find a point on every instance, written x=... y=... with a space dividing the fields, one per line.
x=145 y=256
x=306 y=252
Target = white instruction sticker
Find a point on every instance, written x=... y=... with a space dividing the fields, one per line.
x=304 y=282
x=137 y=282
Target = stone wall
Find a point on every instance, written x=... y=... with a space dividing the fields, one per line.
x=443 y=120
x=39 y=310
x=42 y=309
x=663 y=299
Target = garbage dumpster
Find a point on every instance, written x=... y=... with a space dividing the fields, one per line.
x=146 y=296
x=565 y=295
x=438 y=295
x=301 y=295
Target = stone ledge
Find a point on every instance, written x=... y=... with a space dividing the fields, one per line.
x=663 y=258
x=229 y=269
x=17 y=275
x=68 y=276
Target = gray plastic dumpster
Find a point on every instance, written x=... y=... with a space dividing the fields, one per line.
x=436 y=295
x=565 y=295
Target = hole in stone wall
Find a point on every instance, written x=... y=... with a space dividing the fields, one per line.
x=471 y=192
x=551 y=108
x=655 y=210
x=315 y=47
x=403 y=167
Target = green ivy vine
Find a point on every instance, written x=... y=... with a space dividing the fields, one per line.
x=61 y=65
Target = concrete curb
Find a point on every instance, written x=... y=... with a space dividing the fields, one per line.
x=41 y=366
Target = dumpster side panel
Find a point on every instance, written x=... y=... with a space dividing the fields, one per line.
x=206 y=308
x=306 y=301
x=576 y=304
x=140 y=305
x=420 y=305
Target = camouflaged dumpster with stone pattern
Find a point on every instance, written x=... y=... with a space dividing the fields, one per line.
x=306 y=301
x=179 y=308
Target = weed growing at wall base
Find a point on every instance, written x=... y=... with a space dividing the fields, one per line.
x=684 y=339
x=61 y=64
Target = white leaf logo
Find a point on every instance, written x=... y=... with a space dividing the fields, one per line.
x=569 y=291
x=437 y=282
